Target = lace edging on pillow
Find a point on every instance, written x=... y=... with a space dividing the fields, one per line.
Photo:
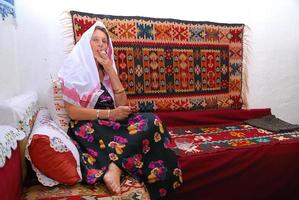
x=9 y=138
x=26 y=123
x=59 y=141
x=46 y=181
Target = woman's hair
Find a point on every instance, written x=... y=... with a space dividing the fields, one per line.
x=103 y=30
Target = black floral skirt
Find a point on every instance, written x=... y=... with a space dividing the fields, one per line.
x=138 y=146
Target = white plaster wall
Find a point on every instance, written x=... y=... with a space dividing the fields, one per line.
x=9 y=78
x=274 y=42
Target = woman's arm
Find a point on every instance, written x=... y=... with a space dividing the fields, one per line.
x=120 y=95
x=118 y=89
x=79 y=113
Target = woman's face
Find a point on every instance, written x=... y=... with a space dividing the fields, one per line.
x=98 y=42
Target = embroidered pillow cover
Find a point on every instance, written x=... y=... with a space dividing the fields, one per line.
x=53 y=156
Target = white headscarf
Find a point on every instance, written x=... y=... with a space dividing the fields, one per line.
x=79 y=73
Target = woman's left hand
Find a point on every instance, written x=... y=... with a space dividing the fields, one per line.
x=121 y=112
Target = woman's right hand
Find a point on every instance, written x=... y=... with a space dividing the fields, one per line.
x=102 y=58
x=120 y=113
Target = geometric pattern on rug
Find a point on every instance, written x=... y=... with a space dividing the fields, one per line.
x=130 y=189
x=215 y=139
x=170 y=64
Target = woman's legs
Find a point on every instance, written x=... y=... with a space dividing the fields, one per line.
x=112 y=178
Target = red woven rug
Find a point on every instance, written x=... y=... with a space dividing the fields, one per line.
x=215 y=139
x=130 y=189
x=169 y=64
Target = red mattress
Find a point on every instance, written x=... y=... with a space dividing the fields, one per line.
x=228 y=160
x=10 y=177
x=231 y=160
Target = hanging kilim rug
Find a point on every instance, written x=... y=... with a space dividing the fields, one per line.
x=171 y=65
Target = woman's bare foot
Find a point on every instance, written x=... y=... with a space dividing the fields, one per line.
x=112 y=178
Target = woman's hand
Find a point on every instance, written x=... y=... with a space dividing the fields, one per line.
x=121 y=112
x=102 y=58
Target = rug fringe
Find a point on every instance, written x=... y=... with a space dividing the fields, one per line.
x=68 y=33
x=246 y=54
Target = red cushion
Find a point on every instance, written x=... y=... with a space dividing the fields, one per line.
x=10 y=177
x=60 y=166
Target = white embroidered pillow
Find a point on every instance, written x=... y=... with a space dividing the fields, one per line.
x=53 y=156
x=19 y=111
x=56 y=105
x=9 y=137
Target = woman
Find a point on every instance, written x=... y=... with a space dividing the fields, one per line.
x=110 y=138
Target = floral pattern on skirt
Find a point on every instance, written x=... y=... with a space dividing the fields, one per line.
x=137 y=145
